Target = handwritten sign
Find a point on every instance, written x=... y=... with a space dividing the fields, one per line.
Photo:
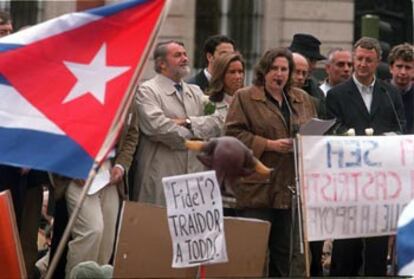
x=355 y=186
x=195 y=219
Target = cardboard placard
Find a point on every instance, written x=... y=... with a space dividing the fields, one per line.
x=195 y=219
x=144 y=247
x=11 y=255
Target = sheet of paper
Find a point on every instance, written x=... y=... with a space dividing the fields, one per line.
x=101 y=180
x=316 y=127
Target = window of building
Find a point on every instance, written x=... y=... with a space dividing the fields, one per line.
x=239 y=19
x=24 y=13
x=208 y=14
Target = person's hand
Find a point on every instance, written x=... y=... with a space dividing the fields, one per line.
x=117 y=174
x=280 y=145
x=179 y=121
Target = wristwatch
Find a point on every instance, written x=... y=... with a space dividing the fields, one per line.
x=188 y=123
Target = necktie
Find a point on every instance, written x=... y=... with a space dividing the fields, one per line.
x=179 y=87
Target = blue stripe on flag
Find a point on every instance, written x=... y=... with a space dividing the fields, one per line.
x=6 y=47
x=43 y=151
x=405 y=241
x=115 y=8
x=3 y=80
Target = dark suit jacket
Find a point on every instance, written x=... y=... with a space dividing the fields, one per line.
x=408 y=102
x=345 y=103
x=199 y=79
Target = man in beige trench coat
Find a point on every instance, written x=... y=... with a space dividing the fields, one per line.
x=170 y=110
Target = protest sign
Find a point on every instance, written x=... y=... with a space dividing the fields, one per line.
x=144 y=247
x=11 y=255
x=195 y=219
x=355 y=186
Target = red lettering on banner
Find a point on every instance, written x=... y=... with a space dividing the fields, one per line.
x=397 y=187
x=406 y=151
x=354 y=186
x=370 y=190
x=326 y=187
x=311 y=187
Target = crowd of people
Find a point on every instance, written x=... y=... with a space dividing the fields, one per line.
x=265 y=115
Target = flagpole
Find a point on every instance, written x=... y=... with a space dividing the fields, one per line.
x=130 y=92
x=73 y=217
x=109 y=142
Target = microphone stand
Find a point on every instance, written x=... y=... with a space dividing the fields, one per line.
x=295 y=203
x=297 y=211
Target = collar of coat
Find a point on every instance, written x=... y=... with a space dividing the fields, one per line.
x=295 y=94
x=168 y=84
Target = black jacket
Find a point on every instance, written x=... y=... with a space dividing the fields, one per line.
x=345 y=103
x=200 y=79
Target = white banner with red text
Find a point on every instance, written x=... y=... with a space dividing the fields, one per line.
x=354 y=186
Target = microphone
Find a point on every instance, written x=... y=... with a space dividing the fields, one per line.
x=395 y=112
x=294 y=127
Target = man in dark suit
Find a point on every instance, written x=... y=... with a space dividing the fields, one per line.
x=214 y=47
x=307 y=45
x=401 y=61
x=364 y=102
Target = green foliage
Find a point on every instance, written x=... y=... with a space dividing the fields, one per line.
x=209 y=108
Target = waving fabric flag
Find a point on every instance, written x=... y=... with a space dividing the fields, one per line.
x=65 y=85
x=405 y=241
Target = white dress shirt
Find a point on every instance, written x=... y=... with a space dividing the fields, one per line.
x=207 y=74
x=365 y=91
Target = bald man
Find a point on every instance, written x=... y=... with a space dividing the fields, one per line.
x=300 y=75
x=301 y=72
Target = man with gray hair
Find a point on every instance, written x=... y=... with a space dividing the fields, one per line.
x=170 y=110
x=338 y=68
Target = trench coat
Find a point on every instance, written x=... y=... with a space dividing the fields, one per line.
x=161 y=151
x=253 y=119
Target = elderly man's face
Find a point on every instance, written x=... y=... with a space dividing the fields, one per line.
x=176 y=62
x=301 y=72
x=5 y=28
x=340 y=68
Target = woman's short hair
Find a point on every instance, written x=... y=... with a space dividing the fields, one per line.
x=265 y=63
x=221 y=65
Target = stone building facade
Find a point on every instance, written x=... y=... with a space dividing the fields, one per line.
x=256 y=25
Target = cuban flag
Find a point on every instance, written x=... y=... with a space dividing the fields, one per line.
x=405 y=241
x=66 y=84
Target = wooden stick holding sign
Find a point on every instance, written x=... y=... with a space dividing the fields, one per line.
x=302 y=205
x=195 y=219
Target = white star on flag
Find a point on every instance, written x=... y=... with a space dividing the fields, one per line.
x=92 y=77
